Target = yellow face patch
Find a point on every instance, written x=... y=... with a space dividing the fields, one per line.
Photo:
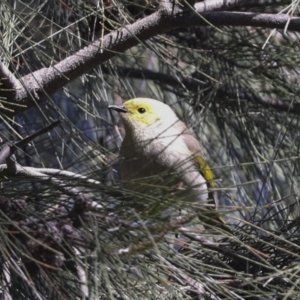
x=140 y=112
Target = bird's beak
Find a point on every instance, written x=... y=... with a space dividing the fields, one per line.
x=118 y=108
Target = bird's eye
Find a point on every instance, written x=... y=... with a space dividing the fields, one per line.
x=141 y=110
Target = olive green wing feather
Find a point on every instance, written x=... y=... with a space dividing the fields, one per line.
x=205 y=170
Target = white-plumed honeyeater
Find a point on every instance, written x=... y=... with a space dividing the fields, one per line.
x=159 y=149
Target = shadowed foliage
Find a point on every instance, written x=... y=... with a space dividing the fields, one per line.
x=69 y=229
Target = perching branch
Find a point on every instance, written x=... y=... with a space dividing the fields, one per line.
x=37 y=87
x=61 y=185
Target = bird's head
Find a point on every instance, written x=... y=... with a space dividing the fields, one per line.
x=143 y=113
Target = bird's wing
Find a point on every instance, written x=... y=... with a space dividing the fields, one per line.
x=198 y=156
x=204 y=168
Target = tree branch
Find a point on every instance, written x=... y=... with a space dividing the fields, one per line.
x=226 y=18
x=8 y=81
x=213 y=5
x=37 y=87
x=9 y=149
x=192 y=84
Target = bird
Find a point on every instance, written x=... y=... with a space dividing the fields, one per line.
x=160 y=150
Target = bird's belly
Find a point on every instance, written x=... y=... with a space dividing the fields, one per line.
x=144 y=171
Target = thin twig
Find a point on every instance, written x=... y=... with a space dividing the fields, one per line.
x=9 y=149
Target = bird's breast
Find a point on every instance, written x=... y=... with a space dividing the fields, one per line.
x=147 y=158
x=161 y=160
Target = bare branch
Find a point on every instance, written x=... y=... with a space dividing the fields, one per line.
x=39 y=85
x=68 y=174
x=216 y=4
x=61 y=185
x=246 y=19
x=277 y=104
x=8 y=81
x=191 y=84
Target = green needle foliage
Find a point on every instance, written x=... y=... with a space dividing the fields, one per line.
x=68 y=228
